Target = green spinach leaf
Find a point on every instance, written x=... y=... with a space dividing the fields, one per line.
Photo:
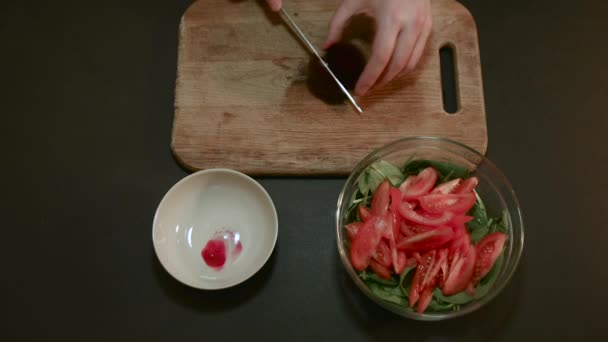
x=370 y=275
x=388 y=171
x=459 y=298
x=447 y=171
x=389 y=294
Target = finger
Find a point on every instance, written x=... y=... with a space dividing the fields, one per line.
x=420 y=45
x=336 y=25
x=275 y=5
x=406 y=41
x=382 y=50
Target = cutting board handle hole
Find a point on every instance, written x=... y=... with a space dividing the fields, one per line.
x=449 y=91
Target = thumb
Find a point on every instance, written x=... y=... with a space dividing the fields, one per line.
x=336 y=25
x=275 y=5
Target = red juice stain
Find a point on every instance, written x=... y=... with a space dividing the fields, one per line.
x=214 y=253
x=237 y=249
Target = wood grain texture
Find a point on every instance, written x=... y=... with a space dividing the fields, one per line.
x=241 y=100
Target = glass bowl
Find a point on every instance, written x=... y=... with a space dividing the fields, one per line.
x=494 y=189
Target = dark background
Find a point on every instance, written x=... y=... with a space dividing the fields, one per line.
x=86 y=98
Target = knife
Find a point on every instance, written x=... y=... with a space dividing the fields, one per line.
x=312 y=49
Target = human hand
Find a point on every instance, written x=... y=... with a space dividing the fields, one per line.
x=402 y=29
x=275 y=5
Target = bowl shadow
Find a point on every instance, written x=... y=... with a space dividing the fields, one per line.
x=212 y=301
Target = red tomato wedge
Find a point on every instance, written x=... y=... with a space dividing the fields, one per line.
x=381 y=270
x=364 y=213
x=425 y=299
x=456 y=203
x=459 y=221
x=382 y=254
x=468 y=185
x=432 y=276
x=411 y=229
x=424 y=218
x=395 y=195
x=416 y=186
x=365 y=243
x=401 y=263
x=461 y=244
x=352 y=229
x=417 y=287
x=460 y=273
x=428 y=240
x=447 y=187
x=488 y=250
x=395 y=223
x=380 y=200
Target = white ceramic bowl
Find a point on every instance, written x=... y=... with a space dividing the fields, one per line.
x=201 y=206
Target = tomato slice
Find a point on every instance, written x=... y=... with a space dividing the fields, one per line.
x=364 y=213
x=395 y=195
x=416 y=186
x=424 y=218
x=460 y=244
x=460 y=273
x=401 y=262
x=380 y=200
x=488 y=250
x=352 y=229
x=411 y=229
x=417 y=283
x=425 y=299
x=365 y=243
x=432 y=276
x=431 y=239
x=395 y=223
x=382 y=254
x=456 y=203
x=447 y=187
x=468 y=185
x=381 y=270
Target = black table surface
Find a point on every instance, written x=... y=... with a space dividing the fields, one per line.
x=86 y=96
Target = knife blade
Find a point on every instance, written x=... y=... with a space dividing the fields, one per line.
x=312 y=49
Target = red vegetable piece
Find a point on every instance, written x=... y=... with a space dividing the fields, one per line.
x=381 y=270
x=417 y=283
x=395 y=195
x=488 y=250
x=382 y=254
x=401 y=263
x=352 y=229
x=395 y=222
x=447 y=187
x=365 y=243
x=428 y=240
x=468 y=185
x=416 y=186
x=380 y=200
x=412 y=229
x=456 y=203
x=460 y=273
x=423 y=218
x=433 y=274
x=364 y=213
x=425 y=299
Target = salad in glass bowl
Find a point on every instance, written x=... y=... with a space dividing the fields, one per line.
x=429 y=228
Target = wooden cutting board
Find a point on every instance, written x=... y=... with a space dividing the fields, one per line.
x=242 y=102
